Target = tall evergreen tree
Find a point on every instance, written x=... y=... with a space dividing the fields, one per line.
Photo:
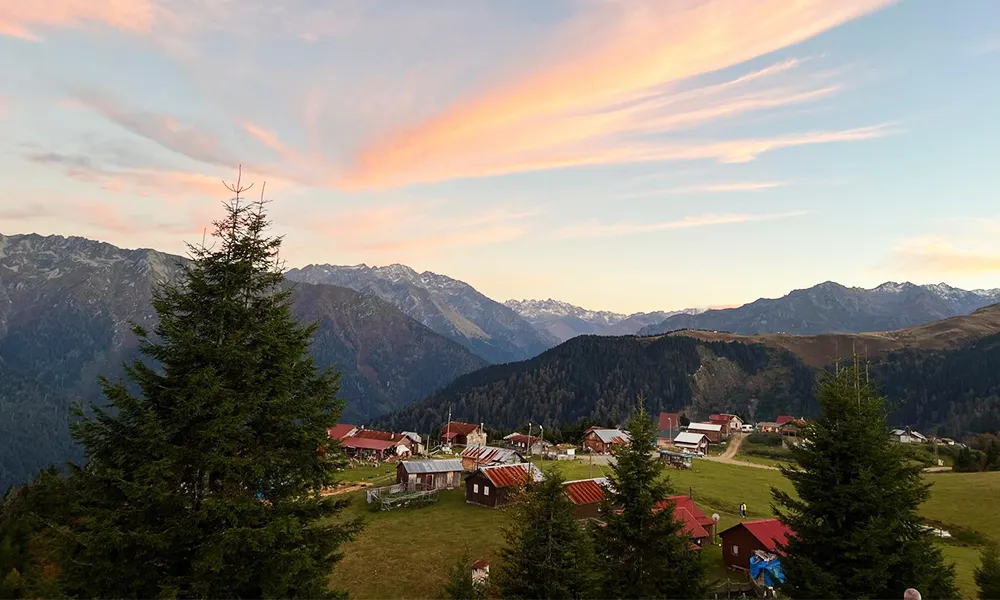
x=642 y=552
x=857 y=530
x=987 y=574
x=548 y=553
x=205 y=481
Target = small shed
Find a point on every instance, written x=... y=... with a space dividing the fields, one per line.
x=695 y=442
x=712 y=431
x=586 y=496
x=431 y=474
x=696 y=526
x=491 y=486
x=480 y=571
x=740 y=541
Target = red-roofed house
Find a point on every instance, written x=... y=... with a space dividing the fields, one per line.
x=586 y=496
x=341 y=431
x=730 y=423
x=668 y=426
x=457 y=433
x=782 y=419
x=491 y=486
x=532 y=444
x=356 y=447
x=740 y=541
x=601 y=440
x=696 y=525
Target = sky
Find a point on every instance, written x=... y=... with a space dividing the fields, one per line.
x=626 y=155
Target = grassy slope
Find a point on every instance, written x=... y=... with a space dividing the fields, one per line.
x=406 y=553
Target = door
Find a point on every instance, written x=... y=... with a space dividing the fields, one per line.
x=429 y=482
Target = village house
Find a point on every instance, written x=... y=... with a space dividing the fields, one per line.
x=730 y=423
x=367 y=448
x=527 y=444
x=791 y=428
x=457 y=433
x=474 y=457
x=403 y=445
x=416 y=442
x=341 y=431
x=602 y=440
x=690 y=441
x=907 y=436
x=768 y=427
x=696 y=525
x=668 y=425
x=586 y=496
x=712 y=431
x=430 y=474
x=740 y=541
x=492 y=486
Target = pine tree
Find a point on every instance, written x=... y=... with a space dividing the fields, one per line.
x=548 y=553
x=203 y=479
x=987 y=575
x=642 y=552
x=857 y=530
x=460 y=584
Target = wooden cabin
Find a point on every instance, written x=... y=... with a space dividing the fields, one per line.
x=430 y=474
x=493 y=486
x=740 y=541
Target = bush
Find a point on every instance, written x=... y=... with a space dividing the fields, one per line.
x=765 y=439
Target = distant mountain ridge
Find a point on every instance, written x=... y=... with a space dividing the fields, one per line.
x=833 y=308
x=563 y=320
x=65 y=308
x=448 y=306
x=944 y=376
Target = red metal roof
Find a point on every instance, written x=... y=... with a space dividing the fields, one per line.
x=374 y=434
x=669 y=421
x=782 y=419
x=366 y=444
x=507 y=475
x=520 y=438
x=480 y=564
x=454 y=428
x=339 y=431
x=691 y=526
x=587 y=491
x=688 y=504
x=769 y=532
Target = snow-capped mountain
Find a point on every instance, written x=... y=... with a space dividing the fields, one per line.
x=563 y=320
x=448 y=306
x=833 y=308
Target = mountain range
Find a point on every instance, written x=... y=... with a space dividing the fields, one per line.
x=400 y=337
x=944 y=377
x=65 y=309
x=450 y=307
x=830 y=307
x=563 y=321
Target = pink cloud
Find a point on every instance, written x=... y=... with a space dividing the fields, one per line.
x=595 y=229
x=946 y=256
x=575 y=108
x=21 y=18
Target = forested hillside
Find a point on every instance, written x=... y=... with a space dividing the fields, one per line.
x=942 y=377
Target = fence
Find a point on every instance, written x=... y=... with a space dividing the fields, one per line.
x=400 y=494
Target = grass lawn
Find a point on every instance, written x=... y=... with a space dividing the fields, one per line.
x=407 y=553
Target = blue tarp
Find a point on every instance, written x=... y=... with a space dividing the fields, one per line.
x=773 y=573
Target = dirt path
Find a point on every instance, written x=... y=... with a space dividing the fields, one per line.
x=735 y=441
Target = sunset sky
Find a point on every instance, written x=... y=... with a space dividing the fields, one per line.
x=616 y=154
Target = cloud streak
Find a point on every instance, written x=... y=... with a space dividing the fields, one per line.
x=23 y=18
x=589 y=107
x=708 y=188
x=941 y=255
x=597 y=229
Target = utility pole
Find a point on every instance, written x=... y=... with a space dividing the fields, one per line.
x=447 y=435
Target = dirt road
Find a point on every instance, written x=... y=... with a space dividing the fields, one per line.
x=735 y=441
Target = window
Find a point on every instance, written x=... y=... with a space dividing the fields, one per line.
x=486 y=491
x=475 y=488
x=736 y=550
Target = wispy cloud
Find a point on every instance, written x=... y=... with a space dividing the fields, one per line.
x=708 y=188
x=418 y=226
x=597 y=229
x=590 y=106
x=972 y=254
x=24 y=18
